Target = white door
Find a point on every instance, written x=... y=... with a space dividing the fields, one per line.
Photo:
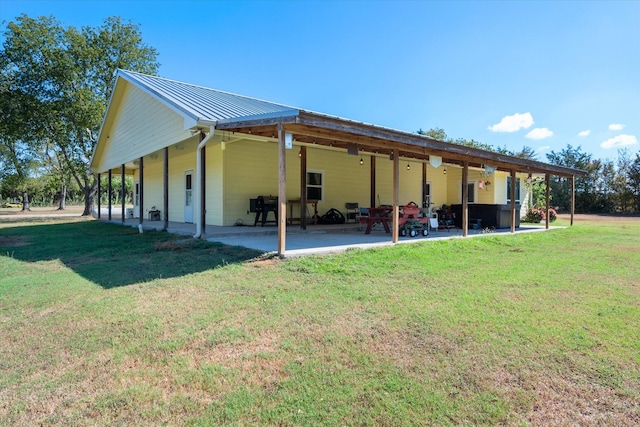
x=188 y=196
x=136 y=200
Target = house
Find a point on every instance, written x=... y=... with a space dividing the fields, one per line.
x=199 y=155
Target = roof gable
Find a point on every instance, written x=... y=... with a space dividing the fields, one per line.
x=200 y=103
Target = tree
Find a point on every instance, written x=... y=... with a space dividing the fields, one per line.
x=634 y=181
x=58 y=81
x=586 y=188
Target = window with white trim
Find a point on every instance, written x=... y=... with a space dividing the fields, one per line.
x=315 y=185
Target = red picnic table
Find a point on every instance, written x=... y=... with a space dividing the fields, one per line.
x=382 y=215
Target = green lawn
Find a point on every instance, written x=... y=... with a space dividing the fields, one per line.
x=100 y=325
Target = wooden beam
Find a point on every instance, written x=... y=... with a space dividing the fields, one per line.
x=282 y=190
x=465 y=199
x=396 y=189
x=273 y=121
x=573 y=198
x=546 y=200
x=303 y=187
x=424 y=185
x=122 y=189
x=165 y=174
x=512 y=191
x=372 y=183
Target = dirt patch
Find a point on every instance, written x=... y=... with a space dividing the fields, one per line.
x=601 y=218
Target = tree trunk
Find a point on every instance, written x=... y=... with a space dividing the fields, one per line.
x=89 y=190
x=63 y=198
x=25 y=201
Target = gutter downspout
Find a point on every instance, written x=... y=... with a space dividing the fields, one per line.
x=197 y=201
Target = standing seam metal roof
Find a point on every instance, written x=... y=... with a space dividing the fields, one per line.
x=204 y=103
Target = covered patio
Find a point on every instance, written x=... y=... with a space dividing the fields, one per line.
x=316 y=239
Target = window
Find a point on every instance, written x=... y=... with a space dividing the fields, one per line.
x=427 y=194
x=471 y=192
x=509 y=190
x=315 y=180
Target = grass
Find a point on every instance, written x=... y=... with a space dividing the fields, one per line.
x=104 y=326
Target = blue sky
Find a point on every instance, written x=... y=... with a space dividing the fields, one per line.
x=507 y=73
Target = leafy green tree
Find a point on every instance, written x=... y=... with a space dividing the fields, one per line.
x=634 y=181
x=58 y=81
x=586 y=186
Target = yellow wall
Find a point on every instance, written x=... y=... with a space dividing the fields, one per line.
x=241 y=169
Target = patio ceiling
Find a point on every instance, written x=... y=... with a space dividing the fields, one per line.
x=318 y=129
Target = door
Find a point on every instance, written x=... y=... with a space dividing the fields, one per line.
x=188 y=196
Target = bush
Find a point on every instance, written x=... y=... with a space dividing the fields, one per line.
x=538 y=215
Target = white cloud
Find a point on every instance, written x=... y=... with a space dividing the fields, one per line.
x=616 y=126
x=513 y=123
x=539 y=133
x=620 y=141
x=584 y=132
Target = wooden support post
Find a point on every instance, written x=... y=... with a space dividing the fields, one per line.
x=396 y=188
x=99 y=194
x=372 y=186
x=141 y=193
x=512 y=192
x=303 y=188
x=122 y=189
x=465 y=198
x=424 y=185
x=165 y=174
x=546 y=200
x=109 y=193
x=282 y=191
x=573 y=197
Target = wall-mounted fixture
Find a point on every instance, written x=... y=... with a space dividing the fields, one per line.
x=408 y=167
x=361 y=161
x=445 y=170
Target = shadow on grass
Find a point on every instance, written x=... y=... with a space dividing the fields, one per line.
x=111 y=255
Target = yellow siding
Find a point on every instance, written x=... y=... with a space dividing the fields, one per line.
x=438 y=186
x=179 y=162
x=141 y=126
x=153 y=185
x=215 y=184
x=243 y=169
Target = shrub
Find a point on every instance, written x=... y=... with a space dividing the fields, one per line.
x=538 y=215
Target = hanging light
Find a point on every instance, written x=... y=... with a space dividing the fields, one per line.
x=408 y=167
x=361 y=161
x=300 y=153
x=445 y=170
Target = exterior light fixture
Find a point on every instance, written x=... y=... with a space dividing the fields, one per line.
x=445 y=170
x=299 y=153
x=361 y=161
x=408 y=167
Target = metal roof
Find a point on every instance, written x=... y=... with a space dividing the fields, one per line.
x=201 y=103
